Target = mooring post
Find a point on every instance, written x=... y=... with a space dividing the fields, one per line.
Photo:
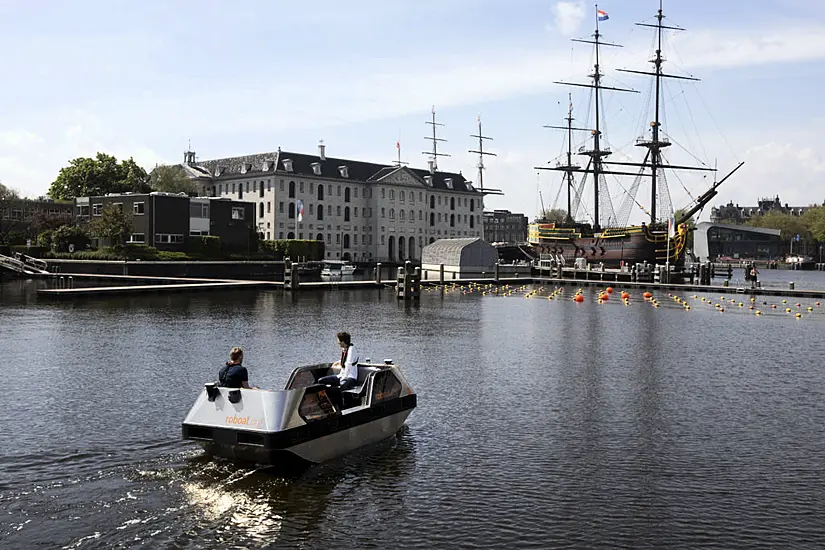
x=496 y=272
x=417 y=284
x=378 y=273
x=399 y=284
x=441 y=274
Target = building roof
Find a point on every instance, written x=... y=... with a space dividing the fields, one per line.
x=704 y=226
x=263 y=164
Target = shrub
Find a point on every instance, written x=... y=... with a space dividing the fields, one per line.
x=294 y=249
x=206 y=246
x=65 y=235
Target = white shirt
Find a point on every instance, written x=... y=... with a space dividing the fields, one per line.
x=349 y=367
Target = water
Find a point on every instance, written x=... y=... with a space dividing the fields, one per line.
x=541 y=423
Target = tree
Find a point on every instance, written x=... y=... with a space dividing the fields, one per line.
x=554 y=215
x=114 y=225
x=91 y=177
x=171 y=179
x=8 y=198
x=790 y=226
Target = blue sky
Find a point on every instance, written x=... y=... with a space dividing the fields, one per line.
x=143 y=78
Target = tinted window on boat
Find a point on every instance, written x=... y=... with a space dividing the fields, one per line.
x=385 y=387
x=302 y=380
x=315 y=405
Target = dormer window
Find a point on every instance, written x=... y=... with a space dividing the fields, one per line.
x=266 y=166
x=288 y=165
x=220 y=170
x=344 y=171
x=316 y=168
x=428 y=180
x=469 y=185
x=245 y=167
x=449 y=182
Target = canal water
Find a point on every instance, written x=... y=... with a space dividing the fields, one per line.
x=541 y=423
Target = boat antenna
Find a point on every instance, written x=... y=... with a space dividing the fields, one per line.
x=597 y=153
x=435 y=139
x=481 y=152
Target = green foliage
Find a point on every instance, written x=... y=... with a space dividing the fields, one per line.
x=172 y=179
x=554 y=215
x=63 y=236
x=814 y=219
x=294 y=249
x=7 y=193
x=86 y=177
x=790 y=226
x=205 y=246
x=45 y=239
x=114 y=225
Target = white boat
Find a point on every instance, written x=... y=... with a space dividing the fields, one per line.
x=336 y=270
x=273 y=427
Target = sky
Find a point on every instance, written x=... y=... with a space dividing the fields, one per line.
x=146 y=79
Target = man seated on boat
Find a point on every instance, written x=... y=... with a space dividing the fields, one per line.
x=234 y=374
x=348 y=375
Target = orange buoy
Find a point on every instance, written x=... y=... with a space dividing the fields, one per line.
x=625 y=296
x=579 y=298
x=609 y=290
x=647 y=295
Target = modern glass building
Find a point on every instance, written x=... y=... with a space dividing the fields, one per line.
x=712 y=241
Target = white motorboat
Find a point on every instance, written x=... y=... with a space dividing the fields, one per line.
x=336 y=270
x=272 y=427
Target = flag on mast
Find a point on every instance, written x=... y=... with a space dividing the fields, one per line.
x=602 y=15
x=671 y=227
x=300 y=210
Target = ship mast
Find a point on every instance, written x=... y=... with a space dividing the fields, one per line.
x=657 y=142
x=568 y=168
x=435 y=139
x=596 y=154
x=481 y=152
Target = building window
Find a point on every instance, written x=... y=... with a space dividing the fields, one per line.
x=261 y=210
x=420 y=215
x=355 y=212
x=292 y=190
x=137 y=238
x=165 y=238
x=432 y=201
x=356 y=192
x=383 y=213
x=291 y=210
x=346 y=194
x=338 y=210
x=97 y=209
x=412 y=215
x=261 y=190
x=237 y=213
x=329 y=210
x=432 y=219
x=401 y=215
x=339 y=190
x=452 y=203
x=240 y=191
x=346 y=214
x=392 y=194
x=320 y=192
x=452 y=220
x=301 y=187
x=472 y=220
x=320 y=212
x=472 y=206
x=383 y=193
x=337 y=238
x=139 y=208
x=401 y=196
x=268 y=207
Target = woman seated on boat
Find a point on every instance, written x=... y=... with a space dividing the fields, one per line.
x=348 y=375
x=234 y=374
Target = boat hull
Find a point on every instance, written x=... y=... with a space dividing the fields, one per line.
x=614 y=248
x=314 y=442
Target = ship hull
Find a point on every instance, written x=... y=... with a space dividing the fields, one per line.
x=615 y=247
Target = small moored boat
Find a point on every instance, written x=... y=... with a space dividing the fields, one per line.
x=336 y=270
x=272 y=427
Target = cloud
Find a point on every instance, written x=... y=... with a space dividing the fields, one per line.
x=568 y=16
x=19 y=138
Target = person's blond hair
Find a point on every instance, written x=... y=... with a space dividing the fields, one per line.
x=236 y=355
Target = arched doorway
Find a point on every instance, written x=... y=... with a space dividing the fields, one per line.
x=401 y=250
x=412 y=248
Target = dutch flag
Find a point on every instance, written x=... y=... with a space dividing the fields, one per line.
x=300 y=210
x=602 y=15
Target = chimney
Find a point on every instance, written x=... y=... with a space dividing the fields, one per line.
x=322 y=150
x=431 y=166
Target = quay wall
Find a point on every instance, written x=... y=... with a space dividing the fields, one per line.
x=261 y=270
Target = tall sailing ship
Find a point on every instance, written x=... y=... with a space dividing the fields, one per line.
x=608 y=238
